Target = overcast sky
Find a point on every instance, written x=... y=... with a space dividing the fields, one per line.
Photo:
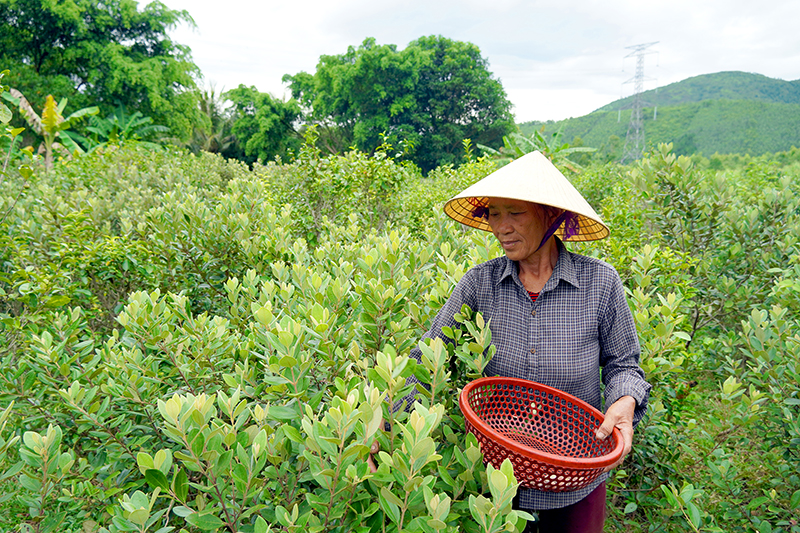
x=555 y=59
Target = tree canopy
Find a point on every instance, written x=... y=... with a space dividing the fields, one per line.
x=101 y=53
x=263 y=126
x=432 y=95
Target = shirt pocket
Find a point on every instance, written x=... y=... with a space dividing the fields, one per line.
x=511 y=343
x=569 y=356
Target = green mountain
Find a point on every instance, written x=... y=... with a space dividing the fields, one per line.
x=719 y=86
x=726 y=112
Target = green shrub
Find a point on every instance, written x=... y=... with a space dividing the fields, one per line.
x=187 y=343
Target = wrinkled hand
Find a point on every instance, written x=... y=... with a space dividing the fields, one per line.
x=619 y=415
x=375 y=448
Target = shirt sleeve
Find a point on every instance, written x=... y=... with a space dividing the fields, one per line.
x=619 y=351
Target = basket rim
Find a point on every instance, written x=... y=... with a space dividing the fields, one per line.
x=577 y=463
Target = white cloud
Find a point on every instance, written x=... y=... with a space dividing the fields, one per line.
x=555 y=59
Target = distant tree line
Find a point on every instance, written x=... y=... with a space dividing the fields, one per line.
x=101 y=54
x=423 y=100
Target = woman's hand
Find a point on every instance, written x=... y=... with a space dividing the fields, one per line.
x=375 y=448
x=619 y=415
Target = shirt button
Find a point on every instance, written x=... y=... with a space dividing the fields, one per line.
x=533 y=313
x=533 y=350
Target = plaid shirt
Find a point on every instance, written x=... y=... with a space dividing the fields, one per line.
x=579 y=323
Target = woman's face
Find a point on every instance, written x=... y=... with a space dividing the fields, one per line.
x=518 y=225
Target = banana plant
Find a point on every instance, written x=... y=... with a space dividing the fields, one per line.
x=51 y=125
x=120 y=127
x=516 y=145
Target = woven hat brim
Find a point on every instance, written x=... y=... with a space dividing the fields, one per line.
x=460 y=210
x=531 y=178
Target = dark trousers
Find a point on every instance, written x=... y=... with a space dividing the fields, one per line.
x=585 y=516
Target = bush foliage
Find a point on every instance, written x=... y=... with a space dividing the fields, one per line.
x=190 y=344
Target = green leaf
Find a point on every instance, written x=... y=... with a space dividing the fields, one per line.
x=29 y=483
x=369 y=307
x=671 y=499
x=5 y=114
x=78 y=115
x=390 y=504
x=694 y=514
x=139 y=516
x=180 y=485
x=13 y=471
x=757 y=502
x=156 y=479
x=71 y=145
x=25 y=171
x=239 y=473
x=10 y=98
x=474 y=347
x=436 y=524
x=271 y=379
x=794 y=502
x=631 y=507
x=292 y=433
x=199 y=443
x=283 y=516
x=445 y=476
x=498 y=481
x=260 y=526
x=205 y=521
x=282 y=413
x=144 y=460
x=287 y=361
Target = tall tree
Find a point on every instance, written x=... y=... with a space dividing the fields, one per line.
x=263 y=126
x=432 y=95
x=101 y=53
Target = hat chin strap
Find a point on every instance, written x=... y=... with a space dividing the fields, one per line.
x=571 y=227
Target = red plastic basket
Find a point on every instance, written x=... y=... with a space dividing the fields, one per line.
x=548 y=435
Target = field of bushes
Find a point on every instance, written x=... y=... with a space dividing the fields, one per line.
x=191 y=344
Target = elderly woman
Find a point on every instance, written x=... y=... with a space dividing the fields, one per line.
x=556 y=317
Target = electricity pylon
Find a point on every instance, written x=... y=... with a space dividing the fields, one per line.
x=634 y=141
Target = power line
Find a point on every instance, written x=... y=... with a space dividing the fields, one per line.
x=634 y=140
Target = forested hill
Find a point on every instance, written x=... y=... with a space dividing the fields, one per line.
x=719 y=86
x=726 y=112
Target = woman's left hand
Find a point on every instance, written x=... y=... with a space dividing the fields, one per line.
x=619 y=415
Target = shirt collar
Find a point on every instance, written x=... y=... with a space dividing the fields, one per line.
x=564 y=270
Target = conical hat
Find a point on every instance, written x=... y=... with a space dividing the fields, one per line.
x=532 y=178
